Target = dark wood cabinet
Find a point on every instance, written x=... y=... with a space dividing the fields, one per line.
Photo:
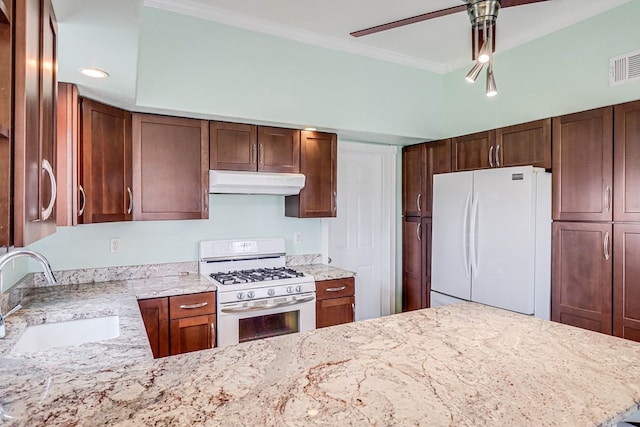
x=582 y=268
x=170 y=160
x=626 y=193
x=69 y=198
x=155 y=315
x=583 y=166
x=105 y=151
x=243 y=147
x=318 y=162
x=193 y=322
x=438 y=156
x=335 y=302
x=180 y=324
x=471 y=152
x=626 y=281
x=524 y=144
x=416 y=263
x=414 y=171
x=6 y=107
x=34 y=118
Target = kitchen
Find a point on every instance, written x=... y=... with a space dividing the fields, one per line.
x=367 y=113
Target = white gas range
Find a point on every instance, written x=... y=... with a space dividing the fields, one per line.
x=258 y=297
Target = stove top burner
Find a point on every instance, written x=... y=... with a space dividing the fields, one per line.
x=255 y=275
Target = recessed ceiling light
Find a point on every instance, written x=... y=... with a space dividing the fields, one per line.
x=310 y=128
x=94 y=72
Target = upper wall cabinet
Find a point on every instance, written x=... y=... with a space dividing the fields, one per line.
x=318 y=162
x=242 y=147
x=524 y=144
x=583 y=166
x=626 y=201
x=414 y=170
x=67 y=150
x=170 y=168
x=438 y=161
x=34 y=118
x=105 y=177
x=6 y=88
x=475 y=151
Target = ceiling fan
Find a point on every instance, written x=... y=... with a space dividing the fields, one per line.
x=483 y=15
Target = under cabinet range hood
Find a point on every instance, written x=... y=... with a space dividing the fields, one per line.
x=235 y=182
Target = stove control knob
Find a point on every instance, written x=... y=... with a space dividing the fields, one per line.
x=299 y=288
x=251 y=294
x=289 y=289
x=271 y=292
x=240 y=295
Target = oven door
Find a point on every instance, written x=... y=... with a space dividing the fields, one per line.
x=247 y=321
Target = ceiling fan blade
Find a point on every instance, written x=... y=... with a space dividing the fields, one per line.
x=509 y=3
x=412 y=20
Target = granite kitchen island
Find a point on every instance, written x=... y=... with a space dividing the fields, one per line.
x=462 y=365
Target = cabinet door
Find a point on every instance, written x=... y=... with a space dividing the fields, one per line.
x=626 y=281
x=155 y=315
x=170 y=168
x=524 y=144
x=70 y=200
x=413 y=180
x=34 y=136
x=106 y=163
x=582 y=265
x=438 y=161
x=193 y=333
x=426 y=263
x=626 y=199
x=6 y=106
x=318 y=162
x=412 y=261
x=278 y=150
x=335 y=311
x=583 y=166
x=471 y=152
x=233 y=146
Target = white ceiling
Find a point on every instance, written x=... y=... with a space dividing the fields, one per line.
x=105 y=34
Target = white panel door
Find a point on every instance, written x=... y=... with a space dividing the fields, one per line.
x=361 y=237
x=450 y=263
x=505 y=238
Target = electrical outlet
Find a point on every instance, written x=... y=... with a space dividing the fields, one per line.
x=114 y=244
x=297 y=238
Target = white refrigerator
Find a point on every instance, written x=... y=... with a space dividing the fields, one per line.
x=491 y=240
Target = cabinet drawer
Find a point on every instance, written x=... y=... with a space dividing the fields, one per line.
x=335 y=288
x=192 y=305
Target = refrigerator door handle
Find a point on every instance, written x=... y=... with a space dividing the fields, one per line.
x=472 y=238
x=465 y=235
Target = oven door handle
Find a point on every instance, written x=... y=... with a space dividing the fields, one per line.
x=267 y=307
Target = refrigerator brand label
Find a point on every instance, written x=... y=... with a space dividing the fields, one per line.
x=517 y=176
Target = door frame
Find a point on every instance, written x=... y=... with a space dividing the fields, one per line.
x=388 y=210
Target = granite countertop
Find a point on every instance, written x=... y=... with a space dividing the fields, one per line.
x=462 y=365
x=323 y=271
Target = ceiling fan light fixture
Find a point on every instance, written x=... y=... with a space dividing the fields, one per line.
x=485 y=53
x=492 y=89
x=472 y=75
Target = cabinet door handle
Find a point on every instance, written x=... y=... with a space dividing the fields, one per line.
x=213 y=335
x=491 y=156
x=335 y=202
x=419 y=202
x=353 y=309
x=46 y=212
x=261 y=154
x=607 y=199
x=341 y=288
x=130 y=208
x=254 y=153
x=84 y=200
x=497 y=155
x=190 y=306
x=606 y=246
x=419 y=231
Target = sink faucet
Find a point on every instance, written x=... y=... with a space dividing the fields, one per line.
x=4 y=260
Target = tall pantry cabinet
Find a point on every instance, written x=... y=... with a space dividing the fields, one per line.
x=419 y=164
x=596 y=213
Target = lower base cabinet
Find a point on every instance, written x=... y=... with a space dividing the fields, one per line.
x=416 y=263
x=626 y=281
x=180 y=324
x=335 y=302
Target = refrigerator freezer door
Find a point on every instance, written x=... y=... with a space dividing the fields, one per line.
x=505 y=238
x=450 y=265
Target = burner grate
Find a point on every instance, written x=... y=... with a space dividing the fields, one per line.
x=255 y=275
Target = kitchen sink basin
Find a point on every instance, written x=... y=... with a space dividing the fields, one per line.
x=61 y=334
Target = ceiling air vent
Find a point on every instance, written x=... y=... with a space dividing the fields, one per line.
x=624 y=68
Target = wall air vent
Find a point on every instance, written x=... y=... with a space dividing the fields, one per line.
x=624 y=68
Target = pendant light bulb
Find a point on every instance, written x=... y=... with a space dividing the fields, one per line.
x=475 y=71
x=492 y=89
x=484 y=55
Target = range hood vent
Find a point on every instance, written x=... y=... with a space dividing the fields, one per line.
x=233 y=182
x=624 y=68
